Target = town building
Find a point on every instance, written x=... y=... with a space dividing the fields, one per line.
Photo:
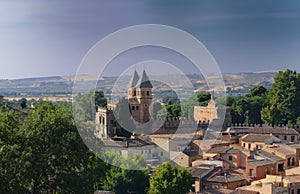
x=206 y=114
x=257 y=141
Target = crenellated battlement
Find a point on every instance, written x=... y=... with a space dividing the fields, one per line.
x=260 y=125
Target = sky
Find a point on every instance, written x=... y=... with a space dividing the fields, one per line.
x=46 y=38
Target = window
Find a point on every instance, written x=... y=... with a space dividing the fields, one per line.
x=132 y=108
x=244 y=145
x=111 y=121
x=134 y=93
x=161 y=153
x=280 y=167
x=293 y=162
x=249 y=145
x=148 y=93
x=284 y=137
x=137 y=107
x=143 y=93
x=250 y=172
x=289 y=162
x=292 y=138
x=230 y=158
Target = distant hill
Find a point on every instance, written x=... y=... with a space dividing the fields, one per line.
x=62 y=85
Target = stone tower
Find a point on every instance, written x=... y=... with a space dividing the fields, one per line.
x=140 y=97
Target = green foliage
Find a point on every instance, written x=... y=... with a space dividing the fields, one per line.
x=87 y=104
x=100 y=100
x=173 y=99
x=283 y=99
x=11 y=154
x=200 y=99
x=258 y=90
x=246 y=109
x=298 y=121
x=125 y=125
x=23 y=103
x=170 y=179
x=203 y=98
x=123 y=181
x=156 y=107
x=45 y=153
x=170 y=110
x=225 y=101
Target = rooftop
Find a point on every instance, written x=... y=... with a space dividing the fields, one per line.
x=127 y=142
x=261 y=162
x=282 y=148
x=266 y=130
x=257 y=137
x=144 y=81
x=219 y=149
x=225 y=179
x=269 y=156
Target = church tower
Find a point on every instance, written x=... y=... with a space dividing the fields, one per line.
x=140 y=97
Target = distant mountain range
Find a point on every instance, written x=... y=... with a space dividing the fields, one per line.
x=236 y=84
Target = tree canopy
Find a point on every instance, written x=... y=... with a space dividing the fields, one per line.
x=283 y=99
x=45 y=154
x=170 y=179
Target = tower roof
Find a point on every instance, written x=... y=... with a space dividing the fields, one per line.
x=134 y=80
x=144 y=81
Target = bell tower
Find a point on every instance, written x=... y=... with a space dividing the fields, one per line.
x=140 y=97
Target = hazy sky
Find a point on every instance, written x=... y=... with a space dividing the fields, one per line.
x=44 y=38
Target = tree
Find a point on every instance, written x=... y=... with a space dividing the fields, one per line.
x=121 y=180
x=247 y=109
x=258 y=90
x=225 y=101
x=56 y=159
x=23 y=103
x=170 y=179
x=171 y=98
x=170 y=110
x=87 y=104
x=124 y=181
x=155 y=108
x=11 y=154
x=200 y=99
x=100 y=100
x=298 y=121
x=44 y=153
x=283 y=99
x=125 y=125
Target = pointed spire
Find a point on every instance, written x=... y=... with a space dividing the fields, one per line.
x=144 y=81
x=134 y=80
